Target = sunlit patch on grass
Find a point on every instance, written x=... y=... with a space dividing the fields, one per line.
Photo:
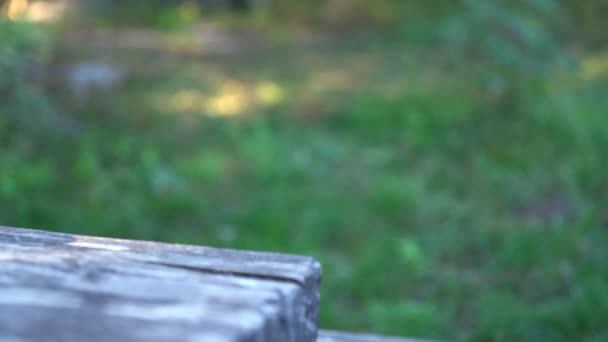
x=595 y=66
x=232 y=98
x=269 y=93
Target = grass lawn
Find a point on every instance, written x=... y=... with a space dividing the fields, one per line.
x=437 y=210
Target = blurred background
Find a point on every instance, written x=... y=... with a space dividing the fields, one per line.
x=444 y=159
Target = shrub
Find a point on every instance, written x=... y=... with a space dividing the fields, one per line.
x=22 y=46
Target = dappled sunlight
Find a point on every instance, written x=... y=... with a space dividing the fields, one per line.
x=269 y=93
x=15 y=9
x=232 y=98
x=39 y=11
x=595 y=66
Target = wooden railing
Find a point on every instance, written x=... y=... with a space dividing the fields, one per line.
x=61 y=287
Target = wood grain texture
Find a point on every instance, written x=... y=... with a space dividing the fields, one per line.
x=61 y=287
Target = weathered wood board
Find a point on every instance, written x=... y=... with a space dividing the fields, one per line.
x=335 y=336
x=61 y=287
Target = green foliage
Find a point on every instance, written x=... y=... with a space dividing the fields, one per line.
x=586 y=21
x=513 y=44
x=417 y=318
x=22 y=48
x=178 y=17
x=20 y=43
x=165 y=15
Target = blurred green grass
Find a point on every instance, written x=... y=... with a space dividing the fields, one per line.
x=439 y=207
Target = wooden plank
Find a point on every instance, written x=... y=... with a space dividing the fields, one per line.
x=335 y=336
x=61 y=287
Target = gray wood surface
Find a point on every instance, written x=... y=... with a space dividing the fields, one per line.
x=61 y=287
x=335 y=336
